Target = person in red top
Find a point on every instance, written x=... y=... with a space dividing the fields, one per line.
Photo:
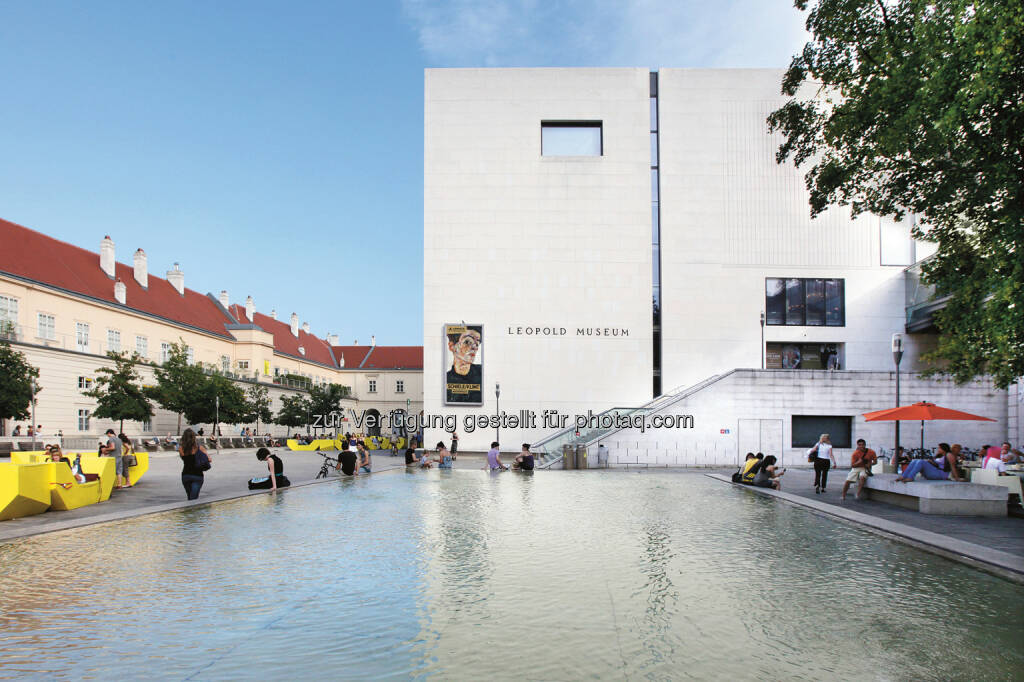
x=861 y=461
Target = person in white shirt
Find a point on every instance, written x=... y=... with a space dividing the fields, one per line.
x=995 y=464
x=821 y=455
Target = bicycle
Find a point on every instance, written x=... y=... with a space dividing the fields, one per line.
x=325 y=468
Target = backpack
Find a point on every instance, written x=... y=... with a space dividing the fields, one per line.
x=202 y=460
x=737 y=477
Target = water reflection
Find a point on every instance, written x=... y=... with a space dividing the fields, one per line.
x=464 y=574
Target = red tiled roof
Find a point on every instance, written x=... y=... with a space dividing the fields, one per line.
x=35 y=256
x=395 y=357
x=354 y=355
x=316 y=348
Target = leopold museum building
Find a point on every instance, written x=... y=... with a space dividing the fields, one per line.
x=615 y=237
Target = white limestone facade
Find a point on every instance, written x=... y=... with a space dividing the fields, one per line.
x=517 y=240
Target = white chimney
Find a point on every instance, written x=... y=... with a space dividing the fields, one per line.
x=250 y=308
x=295 y=325
x=224 y=300
x=141 y=269
x=305 y=327
x=176 y=278
x=273 y=314
x=373 y=341
x=355 y=342
x=120 y=292
x=107 y=256
x=332 y=339
x=341 y=360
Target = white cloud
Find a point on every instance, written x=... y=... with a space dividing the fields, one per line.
x=651 y=33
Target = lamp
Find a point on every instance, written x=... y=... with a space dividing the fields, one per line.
x=897 y=355
x=762 y=339
x=497 y=413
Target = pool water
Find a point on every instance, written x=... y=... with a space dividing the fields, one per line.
x=470 y=575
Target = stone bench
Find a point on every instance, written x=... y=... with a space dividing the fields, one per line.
x=938 y=497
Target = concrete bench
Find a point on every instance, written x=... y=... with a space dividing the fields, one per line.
x=938 y=497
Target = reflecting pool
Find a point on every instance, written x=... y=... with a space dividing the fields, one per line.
x=470 y=575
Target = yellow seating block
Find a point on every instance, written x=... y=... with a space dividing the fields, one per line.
x=24 y=489
x=136 y=472
x=401 y=443
x=104 y=467
x=319 y=444
x=65 y=492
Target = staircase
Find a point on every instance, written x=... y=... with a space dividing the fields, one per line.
x=548 y=451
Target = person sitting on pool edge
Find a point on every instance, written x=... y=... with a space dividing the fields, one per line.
x=444 y=457
x=494 y=459
x=412 y=458
x=751 y=466
x=347 y=461
x=768 y=475
x=364 y=457
x=524 y=461
x=275 y=467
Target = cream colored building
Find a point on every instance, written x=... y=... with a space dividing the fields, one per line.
x=65 y=307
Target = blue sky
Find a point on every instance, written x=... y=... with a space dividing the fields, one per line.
x=275 y=149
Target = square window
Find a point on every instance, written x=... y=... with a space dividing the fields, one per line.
x=113 y=341
x=400 y=386
x=84 y=383
x=372 y=386
x=571 y=138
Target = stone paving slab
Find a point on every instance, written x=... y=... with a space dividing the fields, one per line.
x=161 y=490
x=995 y=544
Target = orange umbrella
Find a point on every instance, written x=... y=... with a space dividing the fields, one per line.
x=923 y=412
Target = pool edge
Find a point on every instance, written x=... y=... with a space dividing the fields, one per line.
x=993 y=561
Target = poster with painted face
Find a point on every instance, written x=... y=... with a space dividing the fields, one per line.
x=464 y=375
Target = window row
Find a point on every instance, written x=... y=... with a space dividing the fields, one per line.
x=805 y=302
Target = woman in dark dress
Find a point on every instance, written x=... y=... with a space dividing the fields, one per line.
x=191 y=473
x=275 y=467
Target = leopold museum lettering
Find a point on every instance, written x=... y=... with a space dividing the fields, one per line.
x=562 y=331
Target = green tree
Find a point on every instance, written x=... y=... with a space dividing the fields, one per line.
x=917 y=106
x=118 y=393
x=326 y=400
x=294 y=412
x=217 y=399
x=258 y=406
x=178 y=384
x=16 y=377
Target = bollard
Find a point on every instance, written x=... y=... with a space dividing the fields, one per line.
x=581 y=456
x=568 y=457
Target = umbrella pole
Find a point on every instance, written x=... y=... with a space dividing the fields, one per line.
x=922 y=435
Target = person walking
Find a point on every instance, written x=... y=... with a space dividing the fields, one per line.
x=455 y=444
x=823 y=459
x=194 y=461
x=861 y=461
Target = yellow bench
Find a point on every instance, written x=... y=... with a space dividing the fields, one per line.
x=319 y=444
x=66 y=493
x=24 y=489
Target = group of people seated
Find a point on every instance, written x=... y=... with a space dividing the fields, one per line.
x=949 y=462
x=54 y=454
x=761 y=471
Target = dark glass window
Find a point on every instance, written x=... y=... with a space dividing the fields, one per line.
x=835 y=315
x=775 y=301
x=654 y=184
x=654 y=114
x=655 y=224
x=657 y=306
x=815 y=302
x=808 y=429
x=654 y=149
x=795 y=302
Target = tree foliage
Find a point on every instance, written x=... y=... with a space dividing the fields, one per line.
x=118 y=394
x=16 y=377
x=217 y=399
x=178 y=384
x=258 y=406
x=917 y=106
x=326 y=400
x=294 y=412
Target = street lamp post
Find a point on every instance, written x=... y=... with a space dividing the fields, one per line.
x=33 y=386
x=497 y=411
x=762 y=339
x=897 y=355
